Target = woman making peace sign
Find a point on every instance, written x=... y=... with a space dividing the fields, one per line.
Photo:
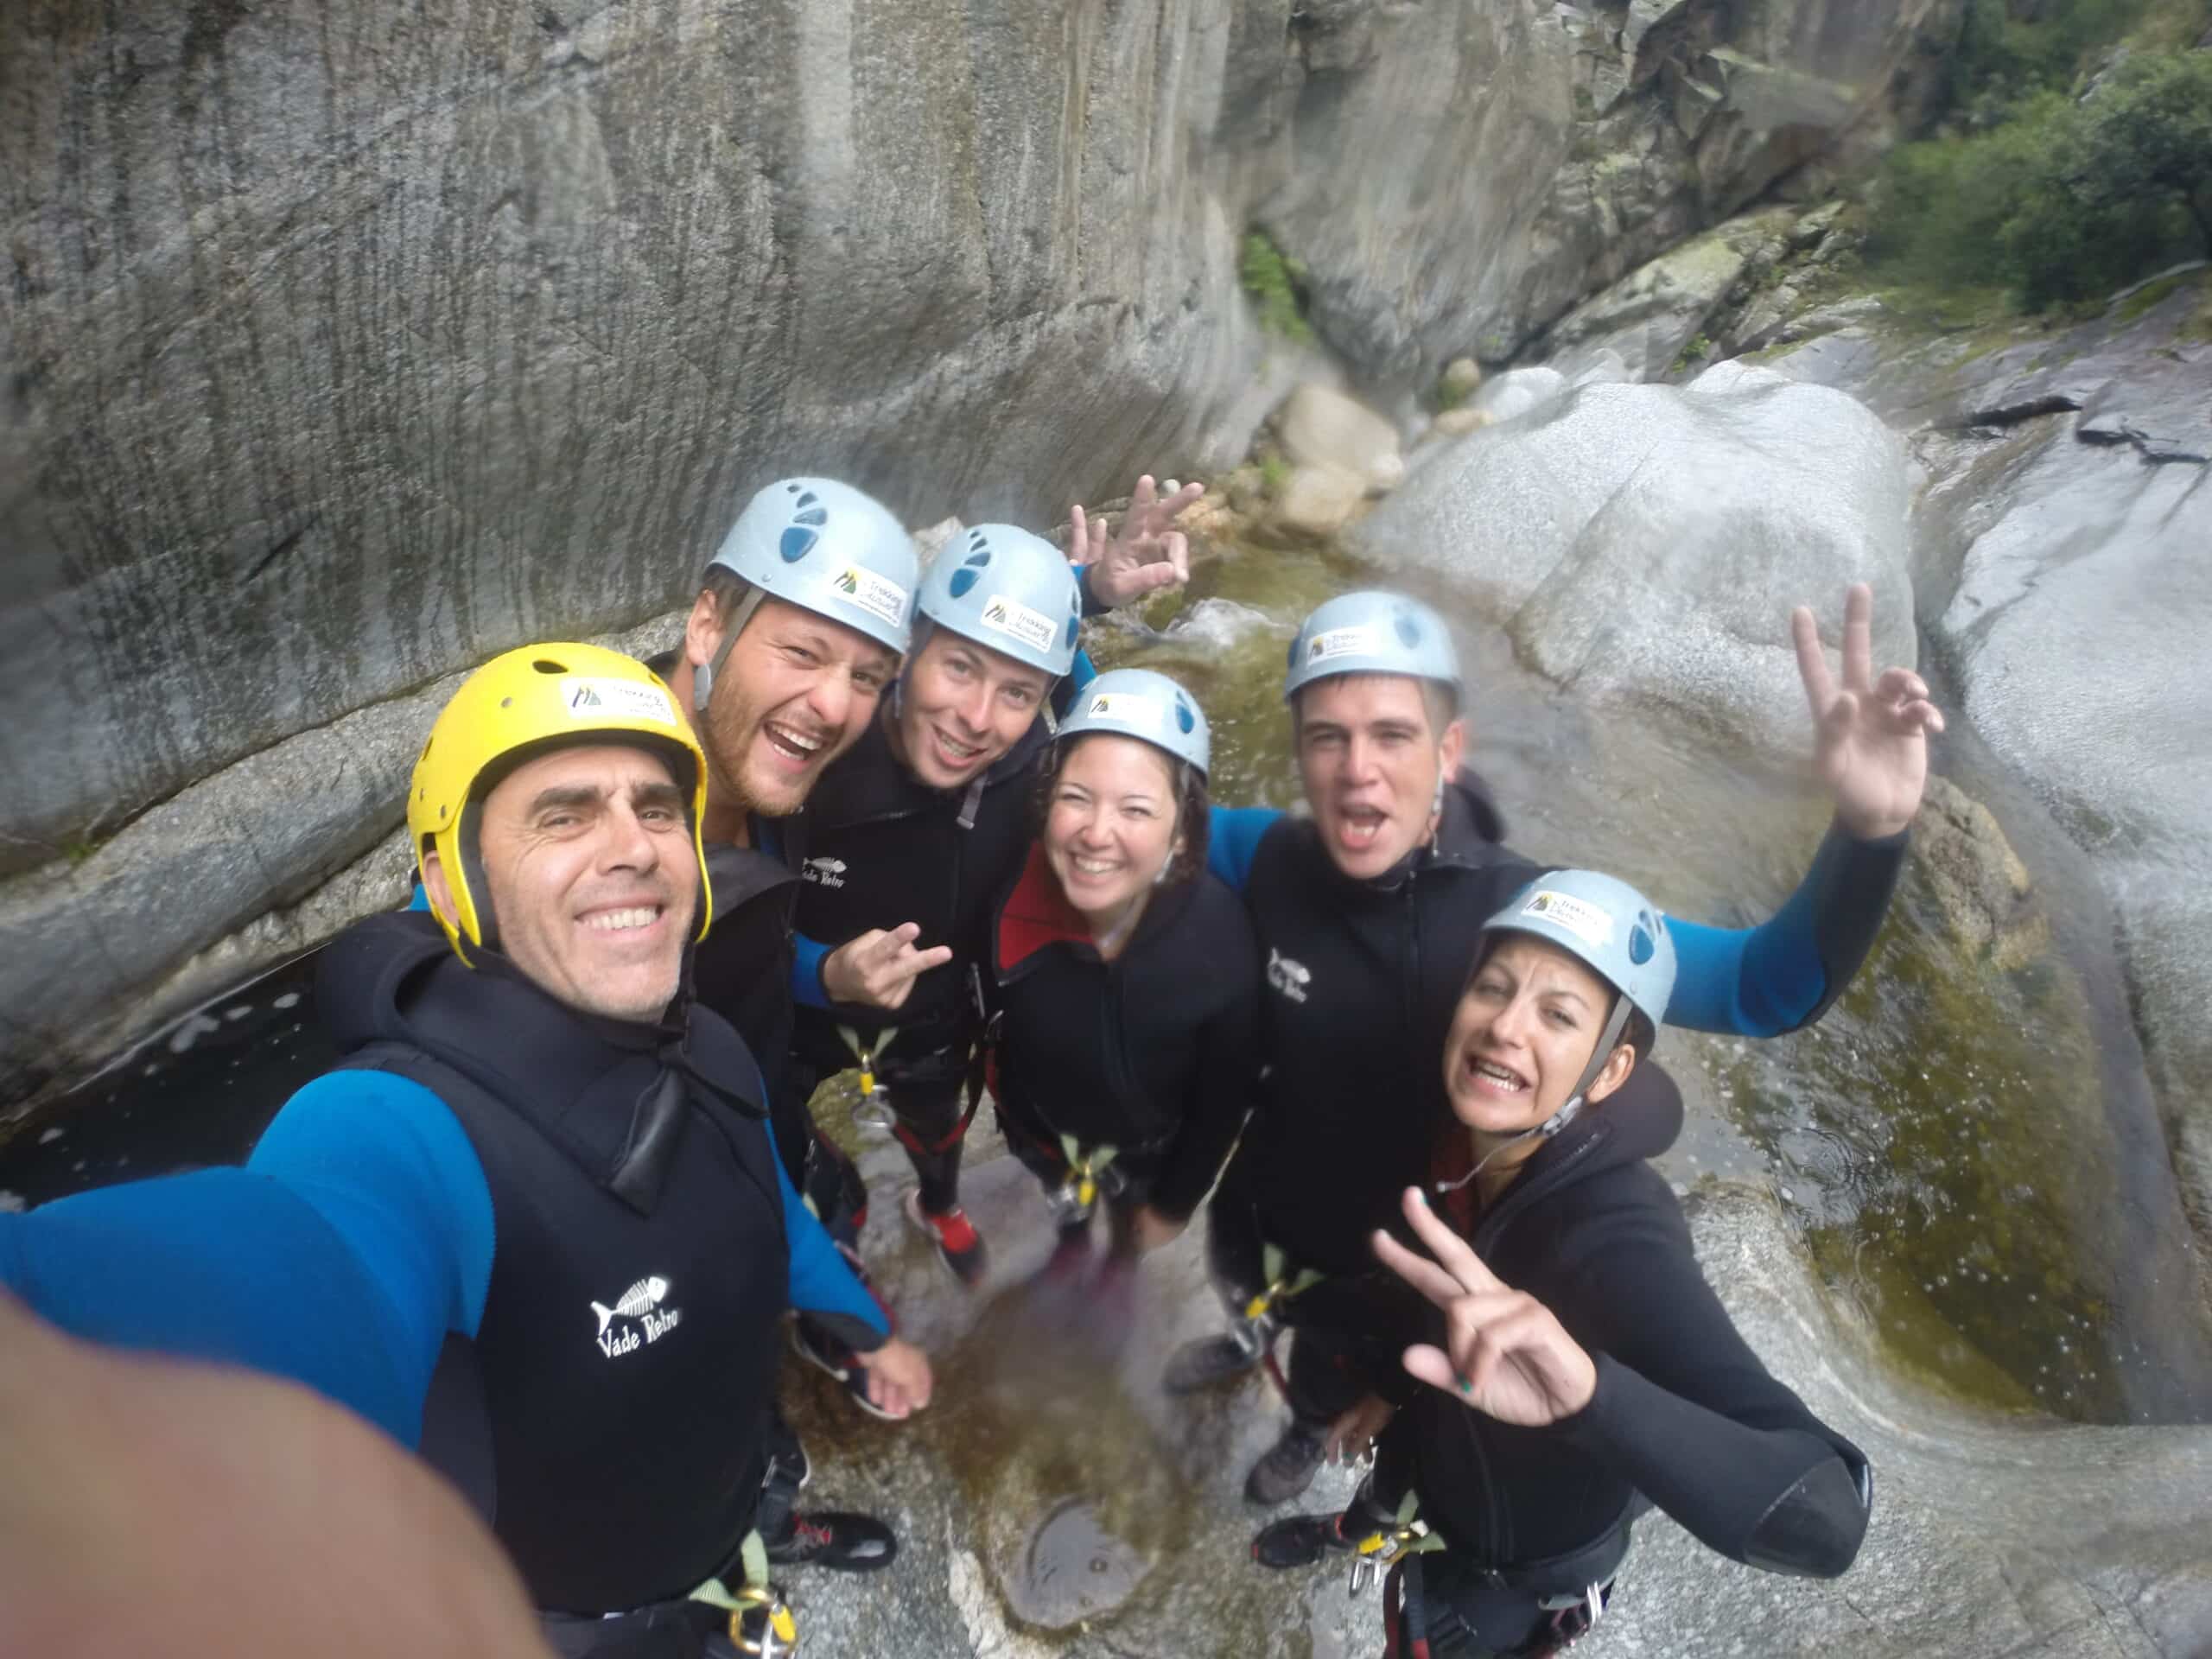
x=1580 y=1368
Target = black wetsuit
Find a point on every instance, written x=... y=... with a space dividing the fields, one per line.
x=883 y=849
x=1154 y=1053
x=1684 y=1417
x=1363 y=979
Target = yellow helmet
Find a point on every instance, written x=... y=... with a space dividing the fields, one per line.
x=533 y=699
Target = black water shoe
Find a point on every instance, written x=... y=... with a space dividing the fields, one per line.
x=1300 y=1541
x=836 y=1538
x=1289 y=1465
x=1209 y=1360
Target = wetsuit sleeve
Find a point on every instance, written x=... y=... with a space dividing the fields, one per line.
x=821 y=1282
x=1233 y=836
x=1684 y=1410
x=340 y=1261
x=1221 y=1091
x=1785 y=973
x=1092 y=605
x=807 y=957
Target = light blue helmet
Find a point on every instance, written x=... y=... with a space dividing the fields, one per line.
x=1613 y=930
x=1606 y=923
x=827 y=548
x=1372 y=632
x=1010 y=591
x=1137 y=703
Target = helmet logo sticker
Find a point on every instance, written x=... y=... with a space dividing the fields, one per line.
x=878 y=597
x=1569 y=915
x=593 y=699
x=1017 y=621
x=1342 y=642
x=1128 y=709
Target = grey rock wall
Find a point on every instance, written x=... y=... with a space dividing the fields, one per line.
x=347 y=344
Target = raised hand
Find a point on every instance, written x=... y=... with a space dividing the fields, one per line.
x=878 y=968
x=1870 y=741
x=1510 y=1357
x=1147 y=555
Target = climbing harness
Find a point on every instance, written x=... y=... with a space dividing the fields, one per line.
x=760 y=1621
x=875 y=1112
x=1384 y=1548
x=1090 y=1176
x=1255 y=1334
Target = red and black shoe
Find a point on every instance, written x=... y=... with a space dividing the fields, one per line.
x=1300 y=1541
x=837 y=1539
x=959 y=1246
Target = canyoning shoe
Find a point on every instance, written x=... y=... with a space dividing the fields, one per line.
x=1288 y=1468
x=1300 y=1541
x=836 y=1538
x=826 y=1353
x=1210 y=1360
x=959 y=1246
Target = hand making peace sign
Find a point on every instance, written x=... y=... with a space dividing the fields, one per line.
x=1870 y=743
x=1509 y=1358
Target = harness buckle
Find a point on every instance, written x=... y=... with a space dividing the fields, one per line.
x=1365 y=1572
x=873 y=1113
x=762 y=1622
x=1071 y=1202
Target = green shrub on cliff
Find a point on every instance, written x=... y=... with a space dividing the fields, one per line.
x=1277 y=285
x=2063 y=200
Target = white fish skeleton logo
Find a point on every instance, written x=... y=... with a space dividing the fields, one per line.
x=1289 y=977
x=645 y=1295
x=824 y=872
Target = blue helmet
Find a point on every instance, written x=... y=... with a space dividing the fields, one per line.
x=1009 y=591
x=1606 y=925
x=1137 y=703
x=1372 y=632
x=827 y=548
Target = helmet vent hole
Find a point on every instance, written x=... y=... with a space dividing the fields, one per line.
x=507 y=702
x=547 y=665
x=796 y=544
x=1409 y=629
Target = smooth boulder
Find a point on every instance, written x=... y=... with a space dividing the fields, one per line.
x=1649 y=540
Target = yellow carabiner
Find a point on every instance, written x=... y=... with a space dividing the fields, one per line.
x=778 y=1630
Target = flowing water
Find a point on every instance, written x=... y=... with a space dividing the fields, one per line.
x=1959 y=1142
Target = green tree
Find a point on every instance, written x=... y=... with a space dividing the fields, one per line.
x=2120 y=183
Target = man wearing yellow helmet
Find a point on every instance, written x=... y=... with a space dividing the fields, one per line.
x=533 y=1221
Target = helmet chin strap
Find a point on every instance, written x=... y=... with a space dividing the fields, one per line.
x=1608 y=1039
x=702 y=674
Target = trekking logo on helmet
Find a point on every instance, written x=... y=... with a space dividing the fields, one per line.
x=1129 y=709
x=804 y=529
x=877 y=596
x=1017 y=621
x=588 y=697
x=1576 y=916
x=1341 y=642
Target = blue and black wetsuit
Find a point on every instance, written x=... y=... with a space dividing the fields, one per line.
x=1362 y=980
x=577 y=1226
